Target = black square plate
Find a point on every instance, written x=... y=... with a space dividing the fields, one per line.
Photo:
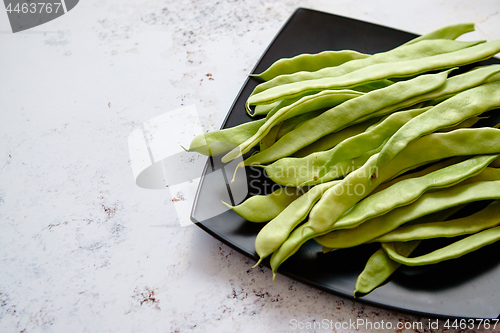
x=468 y=287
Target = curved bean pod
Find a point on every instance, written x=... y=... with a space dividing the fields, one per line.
x=270 y=138
x=426 y=204
x=421 y=49
x=324 y=99
x=431 y=168
x=452 y=251
x=451 y=87
x=407 y=191
x=380 y=267
x=270 y=109
x=309 y=63
x=486 y=218
x=263 y=109
x=333 y=204
x=379 y=71
x=467 y=104
x=310 y=169
x=448 y=32
x=221 y=141
x=274 y=233
x=264 y=208
x=331 y=140
x=344 y=114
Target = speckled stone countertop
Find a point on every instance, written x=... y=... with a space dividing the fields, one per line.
x=82 y=248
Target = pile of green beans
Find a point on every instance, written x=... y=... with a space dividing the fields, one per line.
x=380 y=148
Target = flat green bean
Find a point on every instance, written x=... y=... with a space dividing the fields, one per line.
x=270 y=109
x=407 y=191
x=344 y=114
x=380 y=267
x=264 y=208
x=428 y=203
x=452 y=251
x=448 y=32
x=431 y=168
x=324 y=99
x=333 y=203
x=486 y=218
x=379 y=71
x=274 y=233
x=331 y=140
x=309 y=170
x=467 y=104
x=221 y=141
x=451 y=87
x=421 y=49
x=309 y=62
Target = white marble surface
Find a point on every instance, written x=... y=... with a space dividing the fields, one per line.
x=82 y=248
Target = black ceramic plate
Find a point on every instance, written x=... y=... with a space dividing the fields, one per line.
x=466 y=288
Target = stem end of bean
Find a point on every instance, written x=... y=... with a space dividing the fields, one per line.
x=227 y=205
x=240 y=165
x=257 y=263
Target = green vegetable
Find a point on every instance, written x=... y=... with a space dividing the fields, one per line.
x=312 y=168
x=462 y=106
x=486 y=218
x=378 y=72
x=452 y=251
x=263 y=208
x=343 y=115
x=337 y=200
x=309 y=62
x=422 y=49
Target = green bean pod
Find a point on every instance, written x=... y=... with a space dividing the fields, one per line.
x=467 y=104
x=428 y=203
x=221 y=141
x=486 y=218
x=264 y=208
x=430 y=168
x=270 y=138
x=324 y=99
x=429 y=148
x=344 y=114
x=291 y=123
x=448 y=32
x=293 y=171
x=381 y=71
x=407 y=191
x=309 y=62
x=274 y=233
x=421 y=49
x=272 y=108
x=331 y=140
x=263 y=109
x=286 y=126
x=451 y=87
x=380 y=267
x=452 y=251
